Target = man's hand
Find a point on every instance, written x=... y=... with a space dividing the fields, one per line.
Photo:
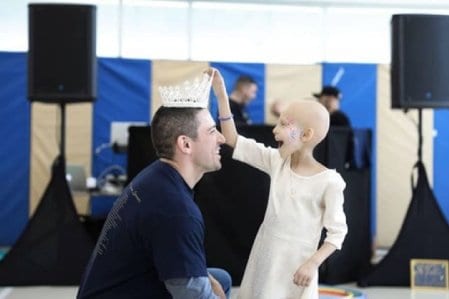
x=217 y=288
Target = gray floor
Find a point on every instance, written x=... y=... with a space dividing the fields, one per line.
x=48 y=292
x=70 y=292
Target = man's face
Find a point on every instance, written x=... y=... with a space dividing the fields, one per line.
x=206 y=148
x=249 y=92
x=331 y=103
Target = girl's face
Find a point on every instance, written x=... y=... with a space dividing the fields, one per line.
x=288 y=135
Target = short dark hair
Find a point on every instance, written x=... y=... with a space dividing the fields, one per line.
x=170 y=123
x=244 y=80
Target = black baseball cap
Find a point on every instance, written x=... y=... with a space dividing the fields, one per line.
x=328 y=90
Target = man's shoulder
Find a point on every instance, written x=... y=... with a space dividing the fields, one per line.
x=157 y=175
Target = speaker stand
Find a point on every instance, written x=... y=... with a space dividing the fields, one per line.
x=62 y=135
x=55 y=246
x=420 y=135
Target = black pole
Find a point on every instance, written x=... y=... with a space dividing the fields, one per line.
x=420 y=138
x=62 y=145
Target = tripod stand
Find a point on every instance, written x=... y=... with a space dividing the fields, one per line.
x=55 y=246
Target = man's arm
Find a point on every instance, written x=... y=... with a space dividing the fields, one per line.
x=195 y=288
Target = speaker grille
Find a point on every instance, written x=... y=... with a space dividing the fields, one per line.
x=62 y=53
x=420 y=61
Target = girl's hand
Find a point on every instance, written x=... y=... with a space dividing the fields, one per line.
x=305 y=273
x=218 y=83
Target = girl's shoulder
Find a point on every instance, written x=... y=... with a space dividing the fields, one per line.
x=334 y=177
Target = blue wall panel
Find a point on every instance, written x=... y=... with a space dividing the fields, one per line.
x=15 y=146
x=124 y=88
x=231 y=72
x=123 y=95
x=358 y=85
x=441 y=160
x=357 y=82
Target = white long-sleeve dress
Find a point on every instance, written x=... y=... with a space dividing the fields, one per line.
x=298 y=208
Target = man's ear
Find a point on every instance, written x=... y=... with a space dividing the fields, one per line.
x=184 y=144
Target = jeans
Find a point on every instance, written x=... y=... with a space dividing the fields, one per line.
x=223 y=278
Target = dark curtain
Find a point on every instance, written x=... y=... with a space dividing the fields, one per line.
x=55 y=246
x=424 y=235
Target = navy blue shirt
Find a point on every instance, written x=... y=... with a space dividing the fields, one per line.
x=154 y=232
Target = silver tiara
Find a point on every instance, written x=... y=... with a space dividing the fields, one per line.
x=189 y=94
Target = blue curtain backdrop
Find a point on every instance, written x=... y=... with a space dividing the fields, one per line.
x=441 y=157
x=124 y=88
x=231 y=72
x=123 y=95
x=15 y=148
x=358 y=85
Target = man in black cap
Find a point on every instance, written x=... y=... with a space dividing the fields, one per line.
x=330 y=97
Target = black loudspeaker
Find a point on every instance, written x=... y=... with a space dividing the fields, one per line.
x=420 y=61
x=62 y=63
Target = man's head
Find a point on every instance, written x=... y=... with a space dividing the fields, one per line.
x=304 y=123
x=330 y=97
x=246 y=89
x=187 y=134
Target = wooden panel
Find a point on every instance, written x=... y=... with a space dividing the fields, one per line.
x=288 y=82
x=397 y=145
x=45 y=145
x=166 y=72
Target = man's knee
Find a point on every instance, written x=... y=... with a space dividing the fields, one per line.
x=222 y=276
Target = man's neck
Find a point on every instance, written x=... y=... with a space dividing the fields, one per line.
x=186 y=171
x=236 y=97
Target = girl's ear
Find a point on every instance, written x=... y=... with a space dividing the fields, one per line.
x=307 y=134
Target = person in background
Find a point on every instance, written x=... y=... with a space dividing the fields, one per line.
x=152 y=243
x=277 y=106
x=304 y=198
x=330 y=97
x=245 y=90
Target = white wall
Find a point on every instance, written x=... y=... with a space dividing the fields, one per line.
x=293 y=32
